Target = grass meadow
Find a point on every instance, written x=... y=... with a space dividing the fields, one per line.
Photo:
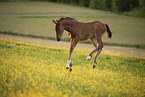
x=35 y=19
x=27 y=71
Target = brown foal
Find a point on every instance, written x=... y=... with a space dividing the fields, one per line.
x=78 y=31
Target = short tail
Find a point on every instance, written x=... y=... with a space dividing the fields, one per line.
x=109 y=34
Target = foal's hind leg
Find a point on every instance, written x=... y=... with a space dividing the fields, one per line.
x=96 y=58
x=99 y=49
x=94 y=42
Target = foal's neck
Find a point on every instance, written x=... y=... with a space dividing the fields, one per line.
x=68 y=24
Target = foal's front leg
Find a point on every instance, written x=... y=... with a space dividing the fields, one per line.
x=72 y=46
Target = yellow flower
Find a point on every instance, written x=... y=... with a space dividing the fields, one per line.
x=66 y=95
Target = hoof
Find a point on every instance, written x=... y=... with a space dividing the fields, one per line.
x=70 y=70
x=94 y=66
x=88 y=58
x=67 y=68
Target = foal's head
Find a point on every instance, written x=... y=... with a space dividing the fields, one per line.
x=58 y=29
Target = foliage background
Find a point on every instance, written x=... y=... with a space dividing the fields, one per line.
x=118 y=6
x=111 y=5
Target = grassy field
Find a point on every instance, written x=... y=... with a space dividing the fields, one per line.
x=27 y=70
x=35 y=18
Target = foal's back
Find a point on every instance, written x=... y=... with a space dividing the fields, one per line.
x=89 y=28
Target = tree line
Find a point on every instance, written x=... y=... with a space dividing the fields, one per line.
x=111 y=5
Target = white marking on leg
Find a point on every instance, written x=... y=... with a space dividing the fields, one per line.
x=89 y=57
x=68 y=62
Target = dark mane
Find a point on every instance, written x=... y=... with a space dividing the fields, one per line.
x=66 y=18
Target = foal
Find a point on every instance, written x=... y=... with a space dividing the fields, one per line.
x=78 y=31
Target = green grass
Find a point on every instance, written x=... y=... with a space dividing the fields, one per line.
x=68 y=39
x=27 y=70
x=35 y=18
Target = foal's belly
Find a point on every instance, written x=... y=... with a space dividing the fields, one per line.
x=86 y=36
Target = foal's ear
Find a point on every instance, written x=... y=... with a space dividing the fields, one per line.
x=55 y=22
